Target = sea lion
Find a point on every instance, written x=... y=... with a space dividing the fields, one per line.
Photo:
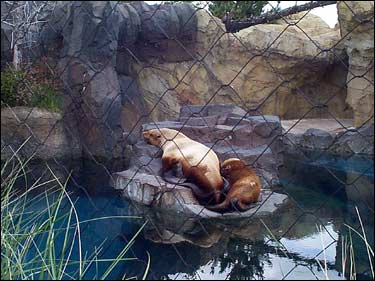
x=199 y=164
x=244 y=186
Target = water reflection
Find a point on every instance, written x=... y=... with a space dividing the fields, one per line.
x=187 y=248
x=246 y=248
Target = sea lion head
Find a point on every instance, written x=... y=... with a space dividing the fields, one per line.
x=153 y=137
x=231 y=164
x=158 y=137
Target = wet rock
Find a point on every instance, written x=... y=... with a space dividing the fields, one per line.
x=151 y=190
x=254 y=139
x=329 y=135
x=316 y=139
x=360 y=141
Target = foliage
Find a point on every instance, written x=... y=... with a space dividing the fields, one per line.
x=29 y=244
x=44 y=97
x=18 y=88
x=11 y=83
x=238 y=9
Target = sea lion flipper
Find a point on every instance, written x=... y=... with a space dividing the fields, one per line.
x=245 y=207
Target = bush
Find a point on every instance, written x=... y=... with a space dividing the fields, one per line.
x=11 y=83
x=19 y=89
x=44 y=96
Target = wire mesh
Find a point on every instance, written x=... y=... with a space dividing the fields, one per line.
x=94 y=135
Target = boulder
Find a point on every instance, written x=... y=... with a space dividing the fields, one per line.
x=330 y=135
x=360 y=141
x=230 y=133
x=126 y=64
x=96 y=42
x=316 y=139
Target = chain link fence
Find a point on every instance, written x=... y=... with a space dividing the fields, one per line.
x=82 y=80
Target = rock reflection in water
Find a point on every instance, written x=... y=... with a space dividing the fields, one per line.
x=241 y=248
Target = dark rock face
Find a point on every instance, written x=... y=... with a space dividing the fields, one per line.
x=6 y=53
x=316 y=139
x=359 y=141
x=96 y=40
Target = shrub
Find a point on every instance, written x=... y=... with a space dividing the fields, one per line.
x=11 y=83
x=19 y=88
x=44 y=96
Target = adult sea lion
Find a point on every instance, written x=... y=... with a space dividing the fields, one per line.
x=199 y=164
x=244 y=186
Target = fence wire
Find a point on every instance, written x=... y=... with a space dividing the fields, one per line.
x=25 y=23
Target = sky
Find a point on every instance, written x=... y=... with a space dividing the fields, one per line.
x=327 y=13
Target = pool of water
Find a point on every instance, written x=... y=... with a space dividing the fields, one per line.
x=302 y=240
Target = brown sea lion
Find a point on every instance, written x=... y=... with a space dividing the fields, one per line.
x=244 y=187
x=199 y=164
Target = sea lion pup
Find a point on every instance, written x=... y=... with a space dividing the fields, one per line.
x=199 y=163
x=244 y=186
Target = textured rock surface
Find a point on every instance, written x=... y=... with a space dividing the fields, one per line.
x=96 y=41
x=230 y=132
x=45 y=130
x=125 y=64
x=359 y=141
x=246 y=67
x=151 y=190
x=330 y=136
x=253 y=139
x=356 y=20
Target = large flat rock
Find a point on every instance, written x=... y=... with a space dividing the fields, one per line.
x=151 y=190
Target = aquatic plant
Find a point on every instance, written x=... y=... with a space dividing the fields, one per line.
x=28 y=238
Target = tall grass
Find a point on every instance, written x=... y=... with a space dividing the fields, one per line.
x=28 y=238
x=347 y=243
x=348 y=259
